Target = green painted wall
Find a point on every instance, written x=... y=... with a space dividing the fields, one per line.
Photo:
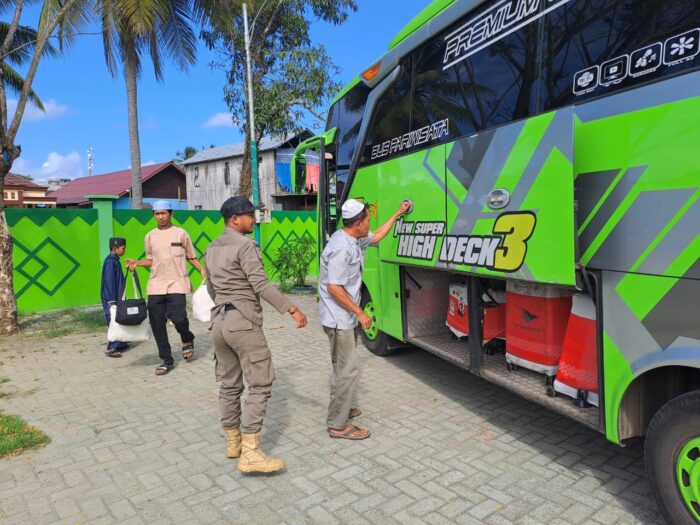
x=55 y=257
x=286 y=226
x=56 y=253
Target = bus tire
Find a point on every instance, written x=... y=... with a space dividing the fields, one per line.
x=672 y=458
x=374 y=339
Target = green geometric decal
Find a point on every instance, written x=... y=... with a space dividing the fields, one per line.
x=55 y=257
x=33 y=267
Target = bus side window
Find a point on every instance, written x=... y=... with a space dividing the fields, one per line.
x=492 y=87
x=392 y=116
x=583 y=34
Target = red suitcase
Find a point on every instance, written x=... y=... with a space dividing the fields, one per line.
x=494 y=313
x=536 y=318
x=578 y=367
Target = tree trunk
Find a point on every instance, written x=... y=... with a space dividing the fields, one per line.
x=8 y=303
x=134 y=144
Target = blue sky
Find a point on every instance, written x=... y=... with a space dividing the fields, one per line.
x=86 y=107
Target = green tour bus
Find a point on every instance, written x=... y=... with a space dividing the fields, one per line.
x=551 y=149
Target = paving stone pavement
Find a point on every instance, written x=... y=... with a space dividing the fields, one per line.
x=129 y=447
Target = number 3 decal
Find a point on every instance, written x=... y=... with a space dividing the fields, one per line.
x=516 y=228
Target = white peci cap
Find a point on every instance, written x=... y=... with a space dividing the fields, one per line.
x=351 y=208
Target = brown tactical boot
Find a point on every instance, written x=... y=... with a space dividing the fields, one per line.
x=233 y=443
x=255 y=460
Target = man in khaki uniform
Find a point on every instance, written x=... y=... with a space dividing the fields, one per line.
x=167 y=248
x=236 y=280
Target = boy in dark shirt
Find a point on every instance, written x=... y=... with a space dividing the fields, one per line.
x=112 y=281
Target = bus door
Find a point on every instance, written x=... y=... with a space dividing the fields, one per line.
x=510 y=201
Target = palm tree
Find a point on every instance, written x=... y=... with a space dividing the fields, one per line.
x=130 y=30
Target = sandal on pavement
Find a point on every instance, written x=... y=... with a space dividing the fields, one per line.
x=163 y=369
x=355 y=412
x=113 y=353
x=349 y=432
x=187 y=351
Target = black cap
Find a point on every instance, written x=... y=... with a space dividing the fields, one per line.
x=116 y=242
x=238 y=206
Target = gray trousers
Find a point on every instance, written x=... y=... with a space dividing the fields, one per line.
x=242 y=355
x=345 y=374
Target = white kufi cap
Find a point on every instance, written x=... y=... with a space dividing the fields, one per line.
x=352 y=208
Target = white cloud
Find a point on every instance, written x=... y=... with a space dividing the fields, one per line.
x=22 y=166
x=220 y=120
x=148 y=163
x=33 y=114
x=56 y=165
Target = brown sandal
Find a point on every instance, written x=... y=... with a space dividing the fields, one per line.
x=355 y=412
x=349 y=432
x=187 y=351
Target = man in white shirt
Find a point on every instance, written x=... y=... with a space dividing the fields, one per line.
x=341 y=265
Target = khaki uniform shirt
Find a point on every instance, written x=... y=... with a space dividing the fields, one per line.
x=169 y=250
x=235 y=275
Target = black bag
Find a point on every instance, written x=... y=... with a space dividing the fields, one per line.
x=131 y=312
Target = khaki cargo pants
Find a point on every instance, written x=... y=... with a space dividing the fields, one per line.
x=242 y=355
x=345 y=375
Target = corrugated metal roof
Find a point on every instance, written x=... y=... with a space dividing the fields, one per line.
x=12 y=179
x=115 y=183
x=236 y=150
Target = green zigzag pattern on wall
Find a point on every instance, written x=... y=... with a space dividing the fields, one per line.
x=40 y=216
x=145 y=216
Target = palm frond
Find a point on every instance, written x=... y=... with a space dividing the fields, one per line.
x=22 y=46
x=15 y=82
x=76 y=17
x=176 y=36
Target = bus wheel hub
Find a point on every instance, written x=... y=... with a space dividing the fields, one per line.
x=372 y=332
x=688 y=474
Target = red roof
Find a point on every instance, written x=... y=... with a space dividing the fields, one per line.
x=14 y=180
x=116 y=183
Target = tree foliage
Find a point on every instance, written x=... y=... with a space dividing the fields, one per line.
x=181 y=156
x=291 y=75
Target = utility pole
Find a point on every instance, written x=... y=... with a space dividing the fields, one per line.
x=90 y=161
x=251 y=121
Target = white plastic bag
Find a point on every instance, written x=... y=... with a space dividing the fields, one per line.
x=127 y=334
x=202 y=304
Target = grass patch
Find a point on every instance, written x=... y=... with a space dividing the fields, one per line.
x=17 y=436
x=74 y=322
